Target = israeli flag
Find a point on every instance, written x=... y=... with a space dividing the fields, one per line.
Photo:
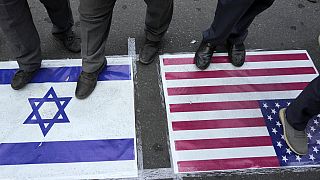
x=45 y=132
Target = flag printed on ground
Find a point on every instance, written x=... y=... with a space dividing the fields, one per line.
x=218 y=118
x=45 y=132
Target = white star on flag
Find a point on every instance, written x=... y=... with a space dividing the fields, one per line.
x=288 y=103
x=277 y=105
x=298 y=158
x=288 y=151
x=309 y=135
x=273 y=111
x=278 y=124
x=312 y=129
x=274 y=130
x=279 y=144
x=284 y=158
x=265 y=105
x=318 y=115
x=318 y=141
x=270 y=118
x=282 y=136
x=311 y=157
x=315 y=149
x=316 y=121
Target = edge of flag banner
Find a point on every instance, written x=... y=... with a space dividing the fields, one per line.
x=98 y=166
x=172 y=148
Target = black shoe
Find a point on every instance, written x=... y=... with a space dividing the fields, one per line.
x=237 y=54
x=87 y=82
x=21 y=79
x=148 y=52
x=69 y=40
x=203 y=55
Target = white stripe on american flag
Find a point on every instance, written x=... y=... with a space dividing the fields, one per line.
x=209 y=115
x=243 y=152
x=217 y=106
x=233 y=97
x=220 y=133
x=239 y=80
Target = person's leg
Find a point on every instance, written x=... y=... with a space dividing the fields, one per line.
x=95 y=22
x=227 y=15
x=295 y=118
x=158 y=18
x=235 y=46
x=240 y=30
x=61 y=17
x=305 y=106
x=18 y=27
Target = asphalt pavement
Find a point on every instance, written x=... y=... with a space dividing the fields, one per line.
x=287 y=25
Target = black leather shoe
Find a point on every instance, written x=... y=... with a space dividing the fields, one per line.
x=87 y=82
x=237 y=54
x=203 y=55
x=21 y=79
x=148 y=52
x=69 y=40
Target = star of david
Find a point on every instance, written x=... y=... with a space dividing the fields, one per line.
x=47 y=123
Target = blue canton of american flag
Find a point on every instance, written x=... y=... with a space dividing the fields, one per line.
x=270 y=110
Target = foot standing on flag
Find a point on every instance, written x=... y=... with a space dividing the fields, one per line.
x=296 y=117
x=17 y=24
x=231 y=22
x=95 y=18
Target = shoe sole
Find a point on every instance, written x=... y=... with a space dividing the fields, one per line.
x=282 y=119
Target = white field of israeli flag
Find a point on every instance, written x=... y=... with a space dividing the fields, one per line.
x=46 y=133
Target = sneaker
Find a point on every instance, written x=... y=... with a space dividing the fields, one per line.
x=296 y=140
x=69 y=40
x=21 y=79
x=87 y=82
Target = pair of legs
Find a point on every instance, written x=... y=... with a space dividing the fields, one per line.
x=95 y=20
x=96 y=16
x=17 y=24
x=231 y=22
x=296 y=117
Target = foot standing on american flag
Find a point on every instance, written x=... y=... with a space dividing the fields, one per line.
x=95 y=22
x=231 y=22
x=295 y=117
x=17 y=24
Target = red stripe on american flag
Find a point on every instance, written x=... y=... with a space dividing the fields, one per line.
x=249 y=58
x=218 y=124
x=239 y=73
x=223 y=143
x=224 y=164
x=236 y=88
x=214 y=106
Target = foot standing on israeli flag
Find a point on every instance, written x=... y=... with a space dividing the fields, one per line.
x=296 y=116
x=17 y=25
x=231 y=22
x=95 y=22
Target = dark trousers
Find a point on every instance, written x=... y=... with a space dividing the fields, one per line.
x=305 y=106
x=232 y=20
x=17 y=25
x=95 y=18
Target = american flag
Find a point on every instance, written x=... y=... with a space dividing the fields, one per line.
x=219 y=119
